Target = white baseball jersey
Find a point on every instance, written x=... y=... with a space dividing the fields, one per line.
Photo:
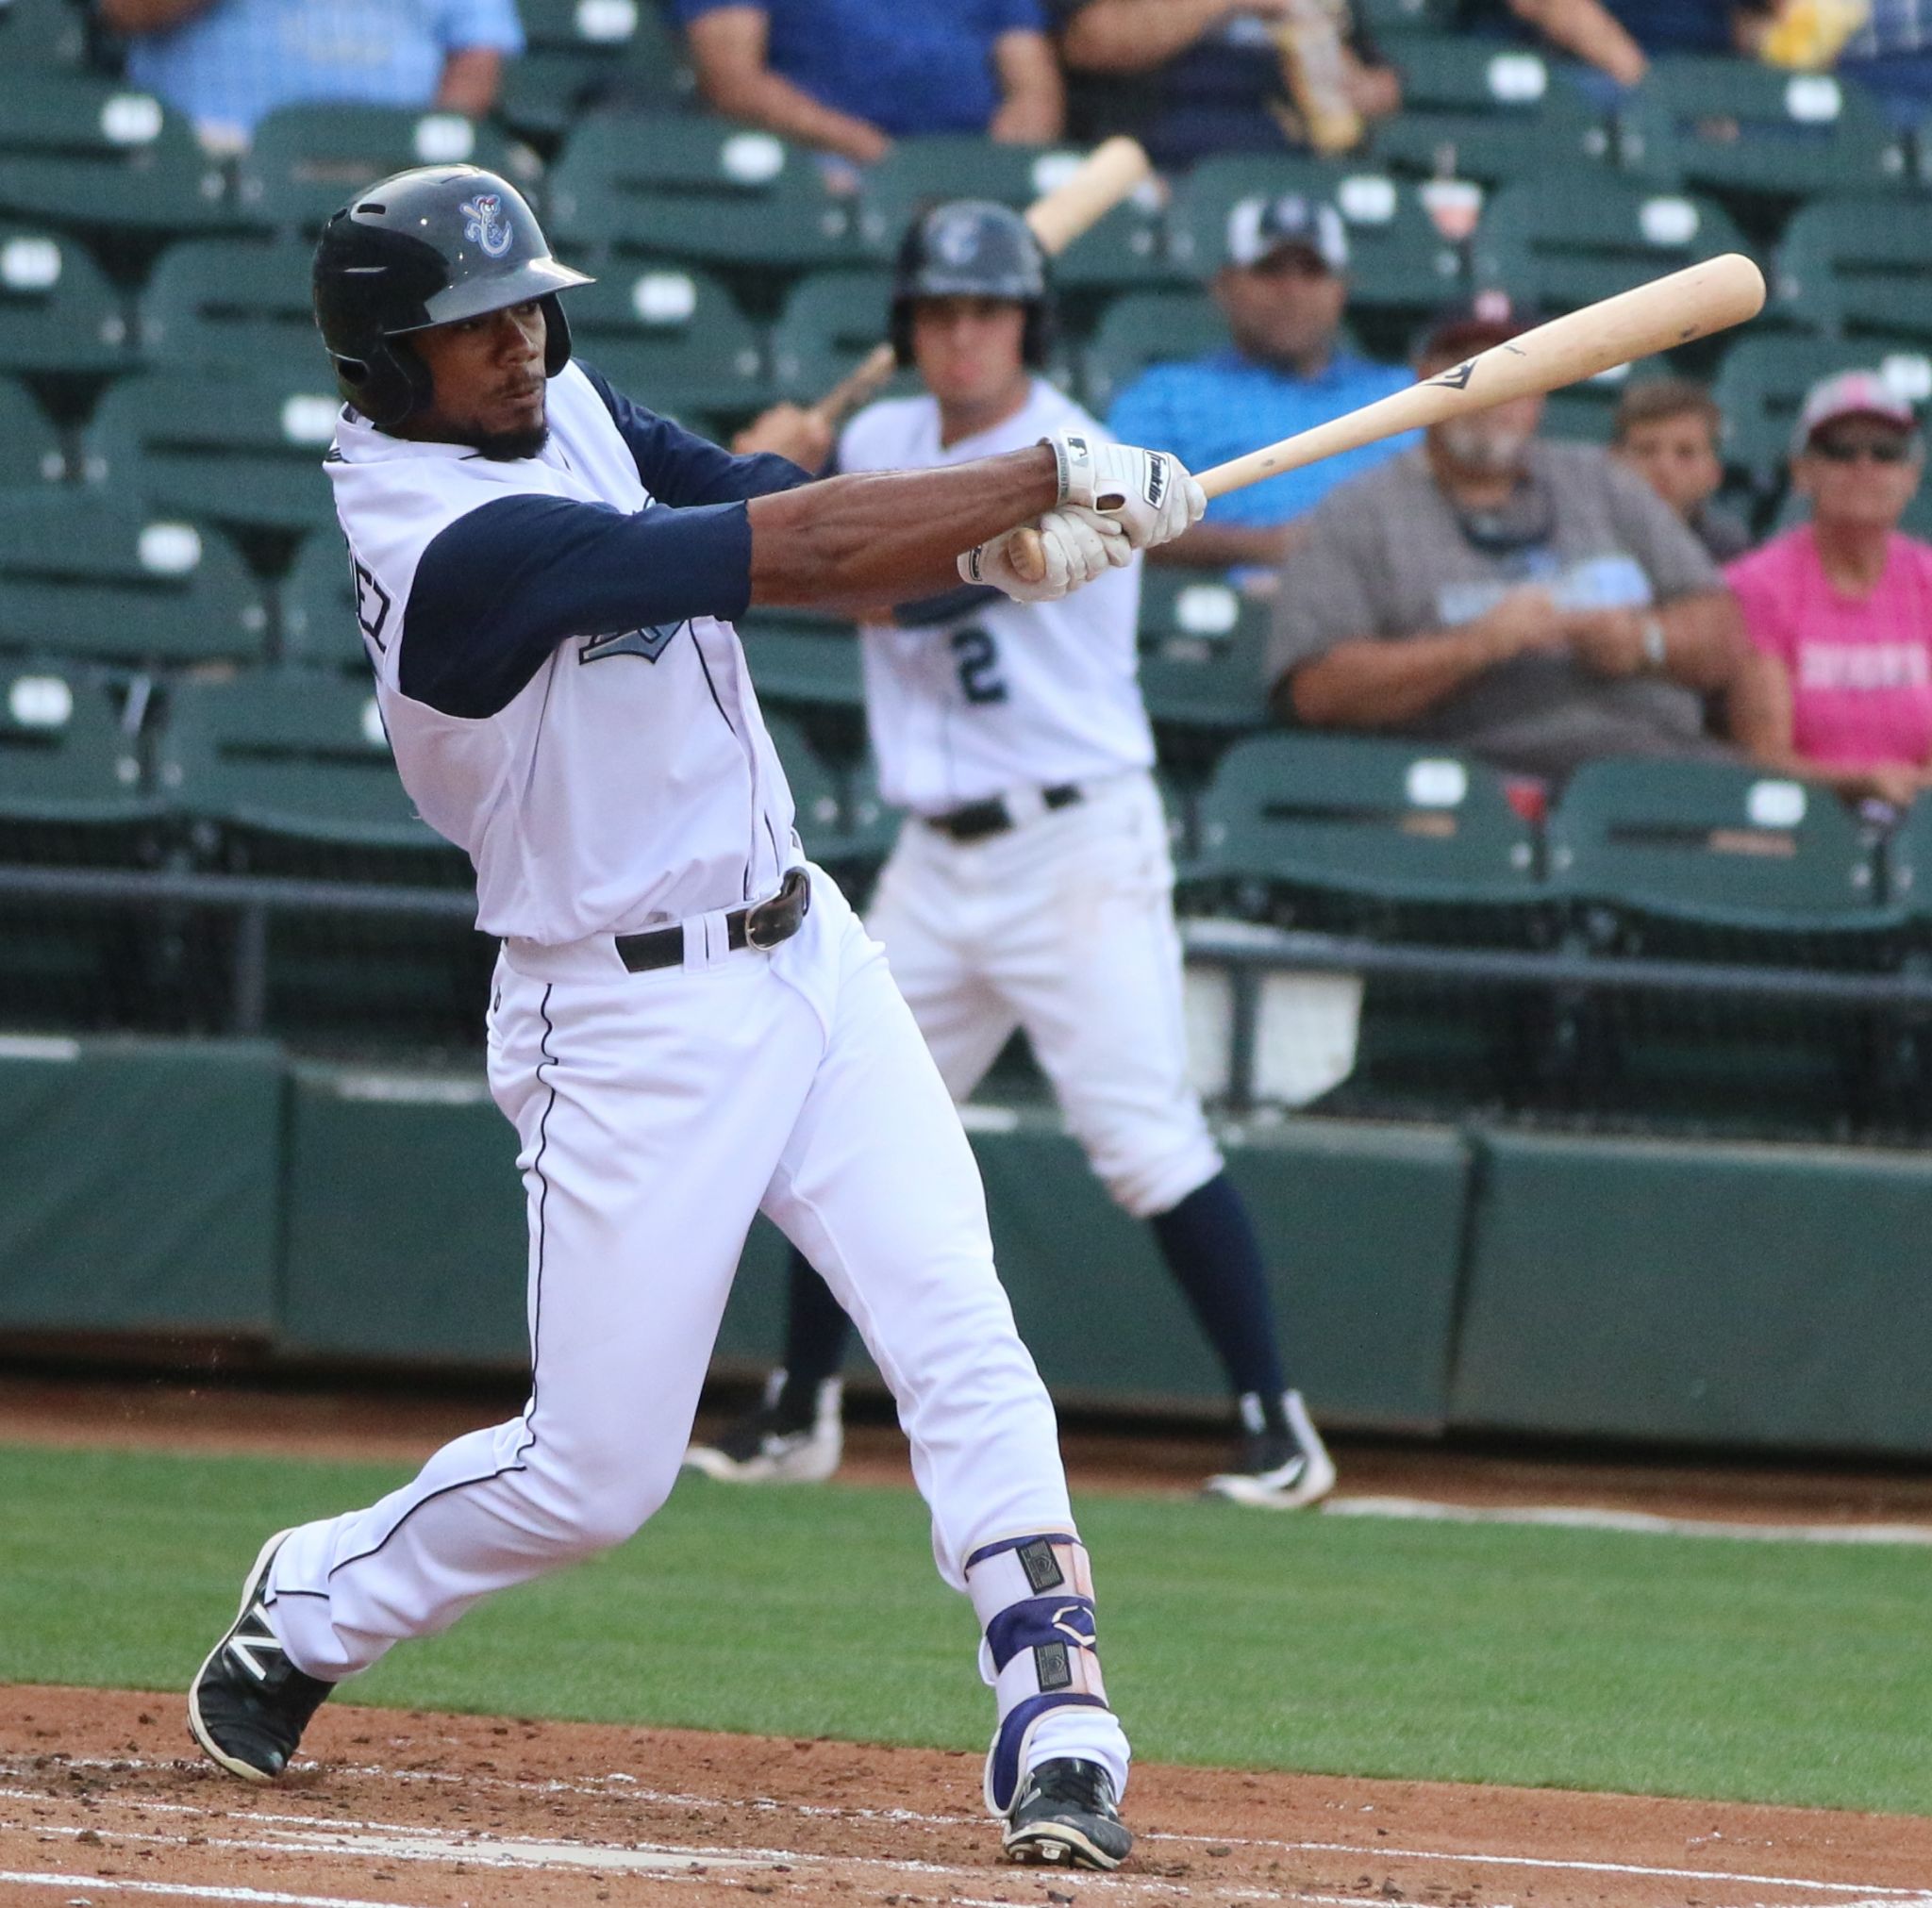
x=604 y=777
x=1014 y=695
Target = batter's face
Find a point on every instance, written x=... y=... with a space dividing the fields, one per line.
x=970 y=351
x=1284 y=310
x=489 y=383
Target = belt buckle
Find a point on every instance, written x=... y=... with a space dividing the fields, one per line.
x=776 y=912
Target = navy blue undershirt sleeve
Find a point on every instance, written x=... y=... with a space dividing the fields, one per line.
x=679 y=468
x=500 y=587
x=929 y=611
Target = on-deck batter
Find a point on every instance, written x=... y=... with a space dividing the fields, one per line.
x=687 y=1023
x=1034 y=887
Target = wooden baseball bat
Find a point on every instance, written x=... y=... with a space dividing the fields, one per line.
x=1106 y=176
x=1659 y=316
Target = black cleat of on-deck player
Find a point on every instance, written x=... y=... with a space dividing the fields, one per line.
x=248 y=1704
x=1064 y=1817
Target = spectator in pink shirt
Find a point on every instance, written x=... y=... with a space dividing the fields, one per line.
x=1839 y=611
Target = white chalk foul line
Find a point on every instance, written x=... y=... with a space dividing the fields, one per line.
x=627 y=1786
x=1643 y=1523
x=82 y=1886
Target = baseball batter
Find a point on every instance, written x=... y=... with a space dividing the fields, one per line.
x=1034 y=887
x=687 y=1023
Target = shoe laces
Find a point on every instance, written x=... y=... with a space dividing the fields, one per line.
x=1068 y=1780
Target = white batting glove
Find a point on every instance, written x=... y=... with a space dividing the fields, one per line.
x=1149 y=493
x=1076 y=545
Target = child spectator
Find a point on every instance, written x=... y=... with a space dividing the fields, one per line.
x=1668 y=430
x=1838 y=610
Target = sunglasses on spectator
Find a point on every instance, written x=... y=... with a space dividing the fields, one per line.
x=1891 y=450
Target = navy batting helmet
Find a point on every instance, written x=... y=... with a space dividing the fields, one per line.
x=973 y=248
x=427 y=247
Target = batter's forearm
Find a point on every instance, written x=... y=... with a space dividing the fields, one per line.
x=853 y=543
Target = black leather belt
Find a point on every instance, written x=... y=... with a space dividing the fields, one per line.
x=978 y=820
x=765 y=924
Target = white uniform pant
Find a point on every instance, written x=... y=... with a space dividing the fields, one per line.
x=1062 y=926
x=658 y=1112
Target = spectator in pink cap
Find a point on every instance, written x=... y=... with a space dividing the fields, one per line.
x=1838 y=610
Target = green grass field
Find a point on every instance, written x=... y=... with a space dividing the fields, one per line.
x=1592 y=1660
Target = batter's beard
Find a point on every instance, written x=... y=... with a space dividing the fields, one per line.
x=509 y=447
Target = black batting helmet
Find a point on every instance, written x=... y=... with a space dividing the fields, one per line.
x=421 y=248
x=973 y=248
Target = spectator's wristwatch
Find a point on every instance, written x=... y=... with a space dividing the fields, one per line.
x=1657 y=651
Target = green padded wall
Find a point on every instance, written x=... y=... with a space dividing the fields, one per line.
x=1738 y=1295
x=406 y=1232
x=1362 y=1227
x=406 y=1240
x=138 y=1185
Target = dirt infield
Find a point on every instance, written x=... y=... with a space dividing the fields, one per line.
x=100 y=1802
x=102 y=1799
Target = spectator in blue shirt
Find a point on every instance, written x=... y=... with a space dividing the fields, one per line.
x=227 y=63
x=1892 y=54
x=850 y=76
x=1282 y=290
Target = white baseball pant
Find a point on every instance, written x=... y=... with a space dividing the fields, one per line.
x=1062 y=926
x=657 y=1113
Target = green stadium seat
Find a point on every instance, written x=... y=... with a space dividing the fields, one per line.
x=1475 y=108
x=1761 y=384
x=1585 y=412
x=696 y=188
x=68 y=766
x=239 y=451
x=1704 y=855
x=1710 y=861
x=59 y=314
x=671 y=337
x=307 y=160
x=287 y=774
x=233 y=306
x=71 y=797
x=830 y=321
x=580 y=55
x=1737 y=129
x=42 y=33
x=31 y=453
x=318 y=597
x=80 y=577
x=1398 y=260
x=1202 y=643
x=1563 y=242
x=1395 y=841
x=1148 y=327
x=821 y=811
x=1857 y=266
x=95 y=157
x=1385 y=837
x=1398 y=17
x=873 y=824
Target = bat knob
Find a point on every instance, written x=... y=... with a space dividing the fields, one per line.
x=1028 y=556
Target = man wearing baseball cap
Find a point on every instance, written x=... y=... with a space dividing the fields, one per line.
x=1534 y=603
x=1838 y=610
x=1282 y=285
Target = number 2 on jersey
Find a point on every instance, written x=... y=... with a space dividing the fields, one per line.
x=978 y=659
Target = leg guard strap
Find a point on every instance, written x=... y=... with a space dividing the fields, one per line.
x=1034 y=1597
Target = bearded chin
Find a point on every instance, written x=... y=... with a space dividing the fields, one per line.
x=509 y=447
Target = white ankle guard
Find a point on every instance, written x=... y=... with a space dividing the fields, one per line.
x=1034 y=1598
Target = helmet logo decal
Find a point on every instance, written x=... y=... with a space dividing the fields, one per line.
x=486 y=226
x=955 y=240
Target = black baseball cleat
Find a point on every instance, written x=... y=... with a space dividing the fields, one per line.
x=248 y=1704
x=1064 y=1817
